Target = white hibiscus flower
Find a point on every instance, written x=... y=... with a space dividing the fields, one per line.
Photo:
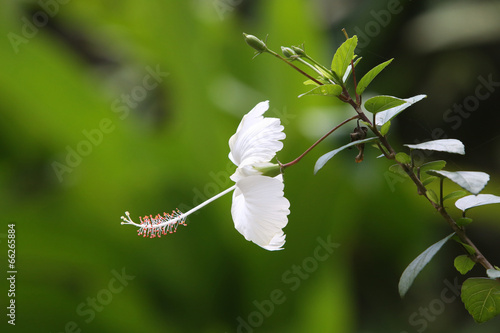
x=259 y=208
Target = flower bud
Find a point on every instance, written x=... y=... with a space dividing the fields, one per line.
x=255 y=43
x=288 y=52
x=299 y=50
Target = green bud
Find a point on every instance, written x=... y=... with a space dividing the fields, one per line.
x=288 y=52
x=255 y=43
x=299 y=50
x=269 y=169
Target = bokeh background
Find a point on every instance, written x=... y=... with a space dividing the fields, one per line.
x=86 y=134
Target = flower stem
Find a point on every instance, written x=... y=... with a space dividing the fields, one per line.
x=283 y=166
x=294 y=67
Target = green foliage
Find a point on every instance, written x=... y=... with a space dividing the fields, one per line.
x=348 y=72
x=454 y=195
x=463 y=221
x=320 y=163
x=310 y=83
x=429 y=180
x=463 y=263
x=432 y=195
x=381 y=103
x=343 y=57
x=368 y=77
x=416 y=266
x=481 y=297
x=398 y=169
x=385 y=128
x=384 y=116
x=403 y=158
x=325 y=90
x=470 y=250
x=434 y=165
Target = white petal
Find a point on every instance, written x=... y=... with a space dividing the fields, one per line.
x=257 y=139
x=276 y=243
x=260 y=210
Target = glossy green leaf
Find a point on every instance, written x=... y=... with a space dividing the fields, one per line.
x=447 y=145
x=385 y=128
x=343 y=56
x=481 y=297
x=471 y=181
x=368 y=77
x=414 y=268
x=472 y=201
x=325 y=158
x=434 y=165
x=463 y=263
x=403 y=158
x=463 y=221
x=382 y=117
x=325 y=90
x=381 y=103
x=454 y=195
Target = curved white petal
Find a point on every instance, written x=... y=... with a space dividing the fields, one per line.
x=260 y=210
x=276 y=243
x=257 y=139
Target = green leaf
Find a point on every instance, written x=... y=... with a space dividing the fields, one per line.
x=467 y=247
x=385 y=128
x=447 y=145
x=349 y=69
x=476 y=200
x=463 y=263
x=434 y=165
x=455 y=195
x=381 y=103
x=368 y=77
x=471 y=181
x=343 y=56
x=433 y=196
x=326 y=74
x=481 y=297
x=384 y=116
x=429 y=180
x=403 y=158
x=397 y=169
x=414 y=268
x=325 y=90
x=463 y=221
x=310 y=82
x=325 y=158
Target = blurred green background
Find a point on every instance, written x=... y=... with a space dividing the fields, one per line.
x=88 y=132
